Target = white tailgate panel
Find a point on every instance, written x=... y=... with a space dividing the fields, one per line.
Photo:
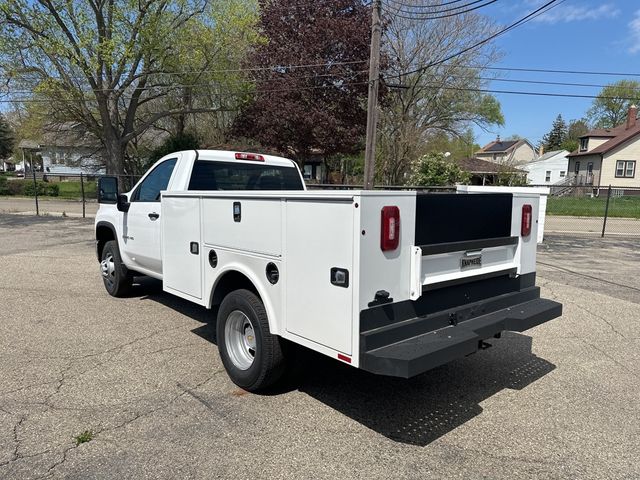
x=259 y=229
x=180 y=227
x=319 y=236
x=446 y=266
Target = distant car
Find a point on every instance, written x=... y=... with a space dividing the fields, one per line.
x=20 y=173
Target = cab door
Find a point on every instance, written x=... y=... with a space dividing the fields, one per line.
x=141 y=224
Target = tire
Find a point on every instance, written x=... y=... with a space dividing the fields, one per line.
x=117 y=279
x=251 y=355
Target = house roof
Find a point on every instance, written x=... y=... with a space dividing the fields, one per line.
x=618 y=136
x=500 y=146
x=479 y=166
x=66 y=134
x=549 y=155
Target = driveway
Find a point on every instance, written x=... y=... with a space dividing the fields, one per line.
x=139 y=381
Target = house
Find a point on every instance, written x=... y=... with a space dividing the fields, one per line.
x=7 y=165
x=547 y=169
x=511 y=152
x=484 y=172
x=608 y=156
x=63 y=148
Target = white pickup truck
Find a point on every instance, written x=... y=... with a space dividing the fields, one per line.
x=392 y=282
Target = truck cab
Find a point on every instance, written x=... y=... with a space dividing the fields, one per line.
x=134 y=218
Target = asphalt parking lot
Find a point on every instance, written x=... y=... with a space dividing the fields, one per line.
x=142 y=377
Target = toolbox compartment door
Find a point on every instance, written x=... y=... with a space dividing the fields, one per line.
x=182 y=247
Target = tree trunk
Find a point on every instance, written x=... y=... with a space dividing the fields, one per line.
x=115 y=156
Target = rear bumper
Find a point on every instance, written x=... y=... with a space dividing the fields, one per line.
x=411 y=346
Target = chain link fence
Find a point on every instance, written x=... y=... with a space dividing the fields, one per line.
x=54 y=194
x=575 y=210
x=610 y=210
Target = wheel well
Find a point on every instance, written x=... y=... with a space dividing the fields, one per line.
x=229 y=282
x=104 y=233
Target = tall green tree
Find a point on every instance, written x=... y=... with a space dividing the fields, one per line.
x=120 y=67
x=610 y=107
x=299 y=108
x=6 y=138
x=556 y=136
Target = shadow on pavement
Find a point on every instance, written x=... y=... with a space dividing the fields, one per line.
x=147 y=288
x=422 y=409
x=415 y=411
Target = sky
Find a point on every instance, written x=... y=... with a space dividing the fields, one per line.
x=584 y=35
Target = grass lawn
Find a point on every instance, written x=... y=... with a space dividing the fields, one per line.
x=71 y=189
x=628 y=207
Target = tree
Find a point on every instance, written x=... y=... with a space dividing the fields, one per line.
x=434 y=169
x=556 y=136
x=120 y=67
x=297 y=110
x=443 y=98
x=610 y=107
x=576 y=129
x=462 y=145
x=6 y=138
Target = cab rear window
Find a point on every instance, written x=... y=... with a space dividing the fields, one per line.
x=210 y=175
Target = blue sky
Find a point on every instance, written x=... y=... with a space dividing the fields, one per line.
x=586 y=35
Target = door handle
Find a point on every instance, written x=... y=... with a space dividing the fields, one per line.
x=154 y=215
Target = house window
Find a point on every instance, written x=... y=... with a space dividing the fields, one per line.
x=563 y=174
x=547 y=176
x=584 y=143
x=577 y=170
x=625 y=168
x=590 y=168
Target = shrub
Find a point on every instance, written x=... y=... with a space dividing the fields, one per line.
x=435 y=169
x=16 y=187
x=4 y=189
x=53 y=190
x=30 y=188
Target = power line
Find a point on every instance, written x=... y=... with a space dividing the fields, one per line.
x=275 y=68
x=204 y=85
x=418 y=5
x=511 y=92
x=547 y=70
x=539 y=11
x=433 y=8
x=423 y=16
x=198 y=95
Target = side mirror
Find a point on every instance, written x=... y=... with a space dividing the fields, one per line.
x=123 y=203
x=108 y=190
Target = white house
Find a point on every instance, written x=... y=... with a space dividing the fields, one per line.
x=64 y=148
x=547 y=169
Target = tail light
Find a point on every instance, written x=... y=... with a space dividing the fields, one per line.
x=249 y=156
x=390 y=229
x=527 y=219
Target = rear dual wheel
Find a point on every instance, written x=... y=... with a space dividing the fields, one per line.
x=251 y=355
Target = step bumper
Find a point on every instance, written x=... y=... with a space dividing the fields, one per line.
x=418 y=354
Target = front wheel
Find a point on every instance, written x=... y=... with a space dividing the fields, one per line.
x=251 y=355
x=117 y=280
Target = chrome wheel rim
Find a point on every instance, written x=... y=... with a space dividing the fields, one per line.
x=240 y=340
x=108 y=270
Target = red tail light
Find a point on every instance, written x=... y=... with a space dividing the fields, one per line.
x=527 y=219
x=249 y=156
x=390 y=229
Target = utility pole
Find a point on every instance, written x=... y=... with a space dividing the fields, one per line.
x=372 y=104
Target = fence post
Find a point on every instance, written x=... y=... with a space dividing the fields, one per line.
x=82 y=190
x=35 y=189
x=606 y=211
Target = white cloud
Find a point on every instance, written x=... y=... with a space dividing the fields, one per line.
x=634 y=33
x=571 y=13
